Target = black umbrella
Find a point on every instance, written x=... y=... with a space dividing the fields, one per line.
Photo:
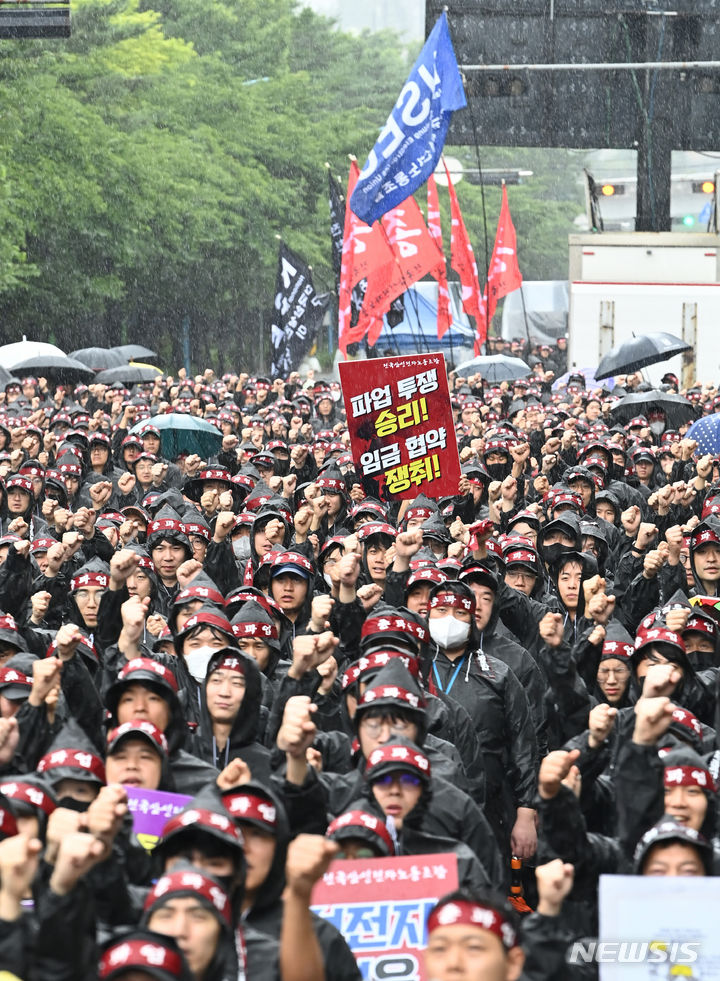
x=99 y=358
x=131 y=352
x=677 y=409
x=639 y=352
x=57 y=368
x=129 y=374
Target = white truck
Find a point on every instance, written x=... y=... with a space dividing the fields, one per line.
x=625 y=283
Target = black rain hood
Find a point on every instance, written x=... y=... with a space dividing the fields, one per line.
x=273 y=820
x=569 y=523
x=252 y=612
x=157 y=532
x=193 y=824
x=393 y=688
x=589 y=569
x=685 y=756
x=266 y=513
x=245 y=726
x=708 y=531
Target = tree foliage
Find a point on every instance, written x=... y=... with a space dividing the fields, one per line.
x=150 y=161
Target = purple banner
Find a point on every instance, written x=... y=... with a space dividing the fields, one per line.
x=151 y=810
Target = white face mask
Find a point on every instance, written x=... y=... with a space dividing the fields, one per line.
x=447 y=632
x=197 y=662
x=241 y=548
x=658 y=428
x=328 y=579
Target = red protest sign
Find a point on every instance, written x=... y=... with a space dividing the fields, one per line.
x=402 y=432
x=381 y=907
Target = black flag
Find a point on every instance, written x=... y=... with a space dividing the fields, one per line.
x=337 y=226
x=297 y=315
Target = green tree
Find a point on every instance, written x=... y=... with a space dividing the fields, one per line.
x=150 y=161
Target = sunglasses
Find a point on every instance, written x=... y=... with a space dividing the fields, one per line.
x=405 y=780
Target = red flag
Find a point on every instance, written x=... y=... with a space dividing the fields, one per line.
x=444 y=317
x=414 y=255
x=504 y=273
x=364 y=248
x=463 y=262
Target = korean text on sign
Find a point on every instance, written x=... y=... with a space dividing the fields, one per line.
x=401 y=425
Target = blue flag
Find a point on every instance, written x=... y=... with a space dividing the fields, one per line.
x=409 y=147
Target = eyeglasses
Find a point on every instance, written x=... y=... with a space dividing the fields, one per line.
x=397 y=727
x=621 y=672
x=404 y=779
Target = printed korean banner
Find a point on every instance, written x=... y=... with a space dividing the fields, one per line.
x=151 y=810
x=401 y=426
x=381 y=907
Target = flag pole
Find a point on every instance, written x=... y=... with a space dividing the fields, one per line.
x=407 y=288
x=484 y=211
x=452 y=315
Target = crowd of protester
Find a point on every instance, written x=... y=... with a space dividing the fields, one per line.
x=524 y=674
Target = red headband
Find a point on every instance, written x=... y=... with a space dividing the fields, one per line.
x=688 y=776
x=329 y=483
x=293 y=558
x=701 y=625
x=375 y=528
x=194 y=529
x=199 y=592
x=703 y=538
x=230 y=663
x=166 y=524
x=372 y=695
x=201 y=618
x=360 y=819
x=418 y=513
x=263 y=631
x=618 y=649
x=472 y=914
x=687 y=719
x=76 y=758
x=13 y=676
x=378 y=659
x=403 y=757
x=658 y=635
x=194 y=882
x=393 y=624
x=89 y=579
x=426 y=574
x=519 y=556
x=147 y=664
x=8 y=622
x=249 y=807
x=28 y=794
x=454 y=600
x=42 y=544
x=24 y=484
x=139 y=727
x=202 y=818
x=8 y=824
x=214 y=475
x=139 y=953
